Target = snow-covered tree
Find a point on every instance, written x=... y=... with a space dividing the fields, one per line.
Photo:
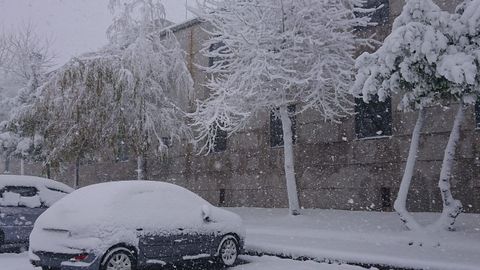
x=270 y=54
x=154 y=78
x=25 y=58
x=129 y=92
x=430 y=58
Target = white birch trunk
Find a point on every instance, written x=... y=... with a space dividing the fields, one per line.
x=451 y=207
x=140 y=172
x=292 y=193
x=22 y=166
x=400 y=204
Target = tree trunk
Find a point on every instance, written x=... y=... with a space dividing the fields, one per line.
x=48 y=171
x=77 y=173
x=289 y=162
x=401 y=201
x=140 y=165
x=22 y=166
x=451 y=207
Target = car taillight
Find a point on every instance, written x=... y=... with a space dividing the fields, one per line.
x=79 y=257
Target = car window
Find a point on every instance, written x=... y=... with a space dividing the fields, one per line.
x=20 y=196
x=22 y=191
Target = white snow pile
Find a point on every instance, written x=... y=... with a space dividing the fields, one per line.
x=99 y=216
x=20 y=262
x=49 y=191
x=274 y=263
x=362 y=237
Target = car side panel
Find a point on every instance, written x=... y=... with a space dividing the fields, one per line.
x=157 y=246
x=17 y=223
x=176 y=246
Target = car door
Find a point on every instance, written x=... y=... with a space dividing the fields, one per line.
x=178 y=244
x=198 y=242
x=192 y=243
x=163 y=245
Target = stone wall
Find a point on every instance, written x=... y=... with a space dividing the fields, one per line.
x=334 y=169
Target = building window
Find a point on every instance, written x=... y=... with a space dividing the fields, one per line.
x=222 y=197
x=477 y=113
x=386 y=198
x=220 y=142
x=167 y=141
x=214 y=47
x=122 y=154
x=276 y=128
x=373 y=119
x=382 y=13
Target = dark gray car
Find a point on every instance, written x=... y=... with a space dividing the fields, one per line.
x=133 y=224
x=22 y=200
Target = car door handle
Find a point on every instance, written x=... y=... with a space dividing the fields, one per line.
x=139 y=229
x=181 y=229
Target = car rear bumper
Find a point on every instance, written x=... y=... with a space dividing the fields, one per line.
x=62 y=261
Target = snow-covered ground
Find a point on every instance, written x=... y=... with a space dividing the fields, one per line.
x=362 y=237
x=332 y=235
x=20 y=262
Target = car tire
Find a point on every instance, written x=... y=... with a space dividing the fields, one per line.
x=119 y=259
x=228 y=251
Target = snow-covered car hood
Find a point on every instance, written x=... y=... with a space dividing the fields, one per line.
x=96 y=214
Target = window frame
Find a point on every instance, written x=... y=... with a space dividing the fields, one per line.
x=220 y=142
x=363 y=109
x=215 y=46
x=381 y=16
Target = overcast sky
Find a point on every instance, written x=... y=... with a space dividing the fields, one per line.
x=75 y=26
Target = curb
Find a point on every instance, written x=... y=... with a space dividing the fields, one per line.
x=328 y=261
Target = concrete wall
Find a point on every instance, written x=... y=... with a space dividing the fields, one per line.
x=334 y=169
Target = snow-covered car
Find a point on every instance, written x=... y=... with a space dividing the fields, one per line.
x=22 y=200
x=131 y=225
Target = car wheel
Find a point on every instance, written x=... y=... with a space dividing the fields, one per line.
x=121 y=259
x=228 y=250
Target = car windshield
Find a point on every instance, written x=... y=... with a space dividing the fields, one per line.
x=19 y=196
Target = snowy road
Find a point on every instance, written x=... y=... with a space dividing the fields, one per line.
x=20 y=262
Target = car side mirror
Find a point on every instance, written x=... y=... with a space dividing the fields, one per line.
x=206 y=213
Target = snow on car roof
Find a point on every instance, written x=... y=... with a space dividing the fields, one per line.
x=49 y=191
x=131 y=204
x=32 y=181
